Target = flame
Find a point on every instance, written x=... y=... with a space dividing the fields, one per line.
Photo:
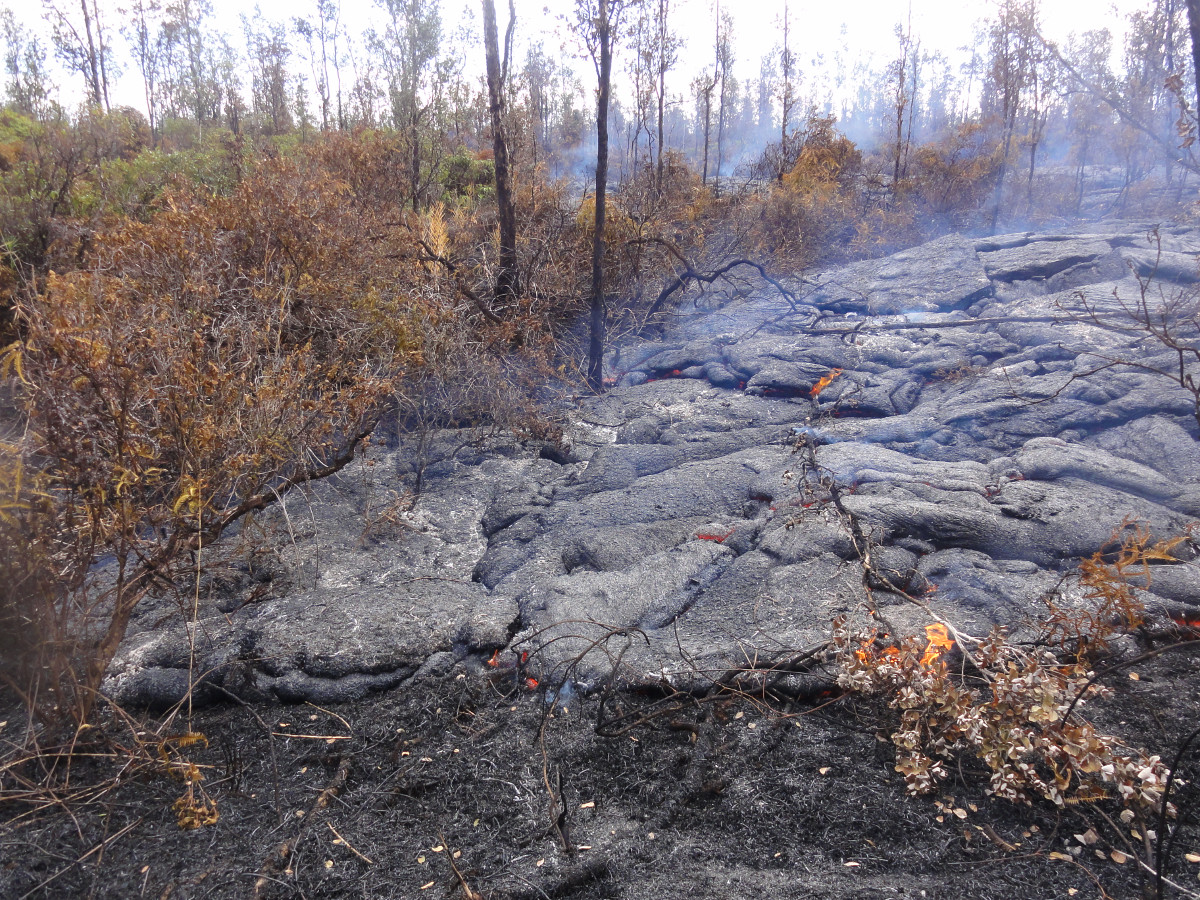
x=826 y=381
x=495 y=660
x=939 y=641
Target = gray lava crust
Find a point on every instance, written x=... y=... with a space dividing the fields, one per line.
x=962 y=433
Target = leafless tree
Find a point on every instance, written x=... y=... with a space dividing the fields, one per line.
x=507 y=282
x=82 y=45
x=598 y=24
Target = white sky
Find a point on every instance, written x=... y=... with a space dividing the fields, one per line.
x=865 y=27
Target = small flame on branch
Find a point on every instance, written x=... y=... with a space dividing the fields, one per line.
x=826 y=381
x=939 y=642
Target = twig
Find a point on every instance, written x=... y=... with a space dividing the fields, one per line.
x=270 y=744
x=330 y=713
x=558 y=806
x=467 y=890
x=345 y=843
x=284 y=851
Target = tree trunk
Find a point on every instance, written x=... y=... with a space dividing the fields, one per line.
x=662 y=38
x=507 y=280
x=415 y=174
x=596 y=339
x=1193 y=10
x=93 y=59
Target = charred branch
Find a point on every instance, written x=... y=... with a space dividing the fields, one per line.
x=430 y=256
x=688 y=274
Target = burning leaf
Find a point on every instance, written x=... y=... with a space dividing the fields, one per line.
x=825 y=381
x=939 y=641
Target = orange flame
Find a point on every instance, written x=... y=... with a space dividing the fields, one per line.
x=495 y=660
x=939 y=641
x=825 y=382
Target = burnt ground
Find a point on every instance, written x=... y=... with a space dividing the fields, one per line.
x=414 y=792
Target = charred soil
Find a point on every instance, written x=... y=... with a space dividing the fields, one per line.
x=463 y=785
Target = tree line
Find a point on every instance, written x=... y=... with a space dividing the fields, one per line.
x=410 y=71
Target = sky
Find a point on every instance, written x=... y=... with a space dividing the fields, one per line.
x=819 y=27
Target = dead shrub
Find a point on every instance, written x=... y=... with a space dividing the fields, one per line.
x=811 y=213
x=952 y=178
x=198 y=367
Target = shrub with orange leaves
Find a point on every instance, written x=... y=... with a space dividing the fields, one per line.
x=1015 y=709
x=810 y=214
x=195 y=369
